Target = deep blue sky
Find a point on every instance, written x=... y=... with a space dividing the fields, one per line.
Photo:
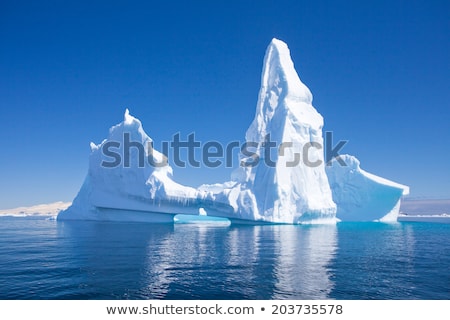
x=379 y=72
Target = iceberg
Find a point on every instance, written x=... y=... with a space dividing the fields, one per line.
x=362 y=196
x=282 y=177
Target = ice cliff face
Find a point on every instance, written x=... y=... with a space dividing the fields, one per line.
x=362 y=196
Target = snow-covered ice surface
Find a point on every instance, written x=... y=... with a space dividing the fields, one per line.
x=280 y=186
x=362 y=196
x=50 y=209
x=435 y=218
x=425 y=210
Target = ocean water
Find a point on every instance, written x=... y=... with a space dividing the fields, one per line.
x=46 y=259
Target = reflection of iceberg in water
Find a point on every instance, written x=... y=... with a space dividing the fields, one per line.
x=246 y=262
x=303 y=260
x=197 y=261
x=253 y=260
x=189 y=264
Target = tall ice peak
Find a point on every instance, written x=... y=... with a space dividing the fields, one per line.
x=283 y=191
x=281 y=91
x=278 y=65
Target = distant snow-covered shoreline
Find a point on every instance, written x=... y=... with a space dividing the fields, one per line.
x=49 y=209
x=436 y=218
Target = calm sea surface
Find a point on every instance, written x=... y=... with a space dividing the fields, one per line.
x=46 y=259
